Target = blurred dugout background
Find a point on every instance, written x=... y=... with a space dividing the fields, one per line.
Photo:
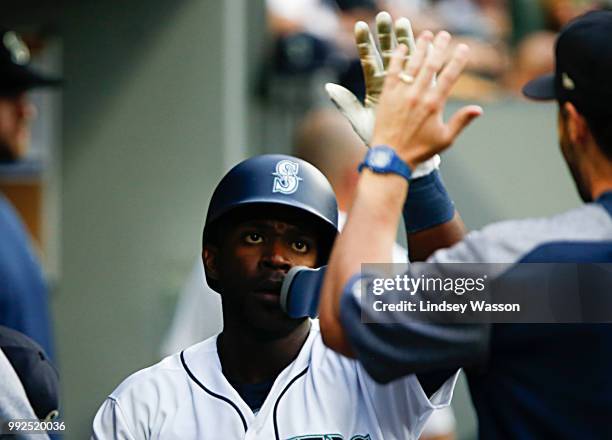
x=161 y=98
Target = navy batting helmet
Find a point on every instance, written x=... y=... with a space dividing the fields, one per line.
x=275 y=179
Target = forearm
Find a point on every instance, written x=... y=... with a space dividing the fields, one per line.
x=409 y=119
x=367 y=237
x=422 y=244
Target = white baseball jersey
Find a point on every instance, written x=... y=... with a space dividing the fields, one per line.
x=320 y=395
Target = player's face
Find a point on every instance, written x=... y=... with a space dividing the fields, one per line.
x=255 y=257
x=16 y=113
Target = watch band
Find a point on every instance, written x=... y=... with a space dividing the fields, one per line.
x=383 y=159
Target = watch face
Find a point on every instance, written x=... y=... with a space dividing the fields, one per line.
x=381 y=158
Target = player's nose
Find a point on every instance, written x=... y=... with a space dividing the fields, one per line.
x=275 y=257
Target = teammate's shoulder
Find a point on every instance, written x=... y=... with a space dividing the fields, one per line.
x=166 y=375
x=507 y=241
x=586 y=222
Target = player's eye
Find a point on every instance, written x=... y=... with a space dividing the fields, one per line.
x=253 y=238
x=300 y=246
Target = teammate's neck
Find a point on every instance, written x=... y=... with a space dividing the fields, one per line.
x=595 y=170
x=600 y=178
x=248 y=359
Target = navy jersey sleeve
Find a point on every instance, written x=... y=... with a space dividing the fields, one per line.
x=390 y=351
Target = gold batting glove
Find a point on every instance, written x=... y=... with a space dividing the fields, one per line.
x=374 y=63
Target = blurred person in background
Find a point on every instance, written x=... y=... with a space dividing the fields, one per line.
x=14 y=404
x=23 y=291
x=486 y=20
x=510 y=40
x=535 y=26
x=311 y=38
x=484 y=25
x=560 y=12
x=330 y=21
x=534 y=56
x=34 y=371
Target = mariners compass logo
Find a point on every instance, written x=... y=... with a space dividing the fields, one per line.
x=286 y=180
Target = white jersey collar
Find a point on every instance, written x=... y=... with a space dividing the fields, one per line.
x=203 y=366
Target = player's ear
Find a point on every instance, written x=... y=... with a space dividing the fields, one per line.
x=577 y=127
x=210 y=256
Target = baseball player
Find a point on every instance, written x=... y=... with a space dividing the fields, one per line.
x=325 y=139
x=266 y=376
x=24 y=294
x=14 y=403
x=528 y=381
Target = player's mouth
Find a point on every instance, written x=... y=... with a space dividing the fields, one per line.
x=272 y=298
x=268 y=292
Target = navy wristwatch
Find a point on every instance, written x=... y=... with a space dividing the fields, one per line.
x=383 y=159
